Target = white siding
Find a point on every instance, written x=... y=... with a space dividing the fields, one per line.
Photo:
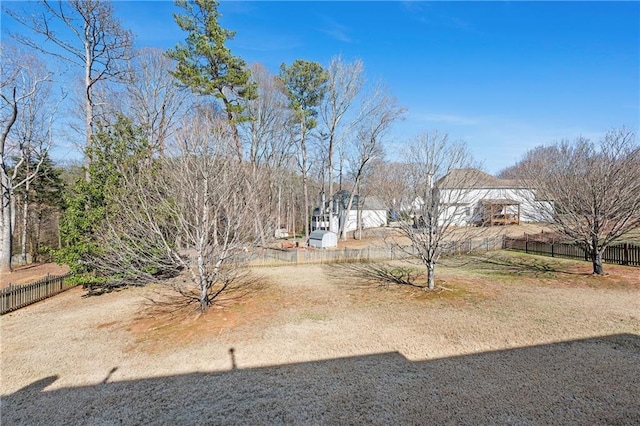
x=468 y=209
x=370 y=219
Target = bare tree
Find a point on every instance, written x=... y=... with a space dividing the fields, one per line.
x=188 y=212
x=32 y=138
x=379 y=112
x=439 y=178
x=155 y=100
x=518 y=170
x=387 y=181
x=84 y=33
x=343 y=86
x=270 y=145
x=594 y=189
x=24 y=83
x=266 y=131
x=304 y=84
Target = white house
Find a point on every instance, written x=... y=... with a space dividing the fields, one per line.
x=373 y=213
x=473 y=197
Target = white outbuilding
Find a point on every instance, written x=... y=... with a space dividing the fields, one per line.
x=323 y=239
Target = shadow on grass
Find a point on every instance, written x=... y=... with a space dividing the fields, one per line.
x=510 y=263
x=378 y=274
x=589 y=381
x=180 y=296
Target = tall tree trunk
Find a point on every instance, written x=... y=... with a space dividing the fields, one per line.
x=305 y=183
x=5 y=223
x=278 y=224
x=330 y=154
x=35 y=240
x=293 y=215
x=354 y=189
x=12 y=197
x=341 y=171
x=234 y=128
x=359 y=219
x=258 y=204
x=88 y=106
x=305 y=190
x=347 y=211
x=25 y=217
x=6 y=195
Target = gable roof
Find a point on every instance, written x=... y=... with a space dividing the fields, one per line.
x=475 y=178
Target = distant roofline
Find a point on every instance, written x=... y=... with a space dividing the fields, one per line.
x=476 y=179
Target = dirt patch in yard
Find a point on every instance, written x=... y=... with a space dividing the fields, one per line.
x=315 y=345
x=30 y=273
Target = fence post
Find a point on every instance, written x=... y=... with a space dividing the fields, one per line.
x=552 y=254
x=625 y=254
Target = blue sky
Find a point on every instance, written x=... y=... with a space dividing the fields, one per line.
x=503 y=76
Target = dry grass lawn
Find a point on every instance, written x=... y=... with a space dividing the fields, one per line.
x=507 y=339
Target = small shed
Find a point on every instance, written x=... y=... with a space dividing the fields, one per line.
x=323 y=239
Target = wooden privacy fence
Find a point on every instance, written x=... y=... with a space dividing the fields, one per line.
x=621 y=254
x=275 y=257
x=17 y=296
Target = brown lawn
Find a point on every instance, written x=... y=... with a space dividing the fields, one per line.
x=507 y=338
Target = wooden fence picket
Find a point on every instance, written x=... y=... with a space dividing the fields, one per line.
x=17 y=296
x=622 y=254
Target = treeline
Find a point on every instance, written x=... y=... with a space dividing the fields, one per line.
x=191 y=155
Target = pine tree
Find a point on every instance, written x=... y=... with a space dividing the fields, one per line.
x=206 y=65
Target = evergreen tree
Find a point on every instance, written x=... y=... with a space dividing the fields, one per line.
x=305 y=85
x=206 y=65
x=39 y=201
x=86 y=204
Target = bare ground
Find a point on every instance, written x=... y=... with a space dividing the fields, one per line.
x=28 y=273
x=505 y=340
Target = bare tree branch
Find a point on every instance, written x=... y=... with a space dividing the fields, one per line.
x=188 y=211
x=439 y=177
x=24 y=85
x=593 y=188
x=98 y=44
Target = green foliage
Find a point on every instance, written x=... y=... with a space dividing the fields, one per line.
x=205 y=64
x=83 y=210
x=305 y=83
x=87 y=280
x=86 y=204
x=45 y=188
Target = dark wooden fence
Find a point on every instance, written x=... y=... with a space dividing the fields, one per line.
x=17 y=296
x=621 y=254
